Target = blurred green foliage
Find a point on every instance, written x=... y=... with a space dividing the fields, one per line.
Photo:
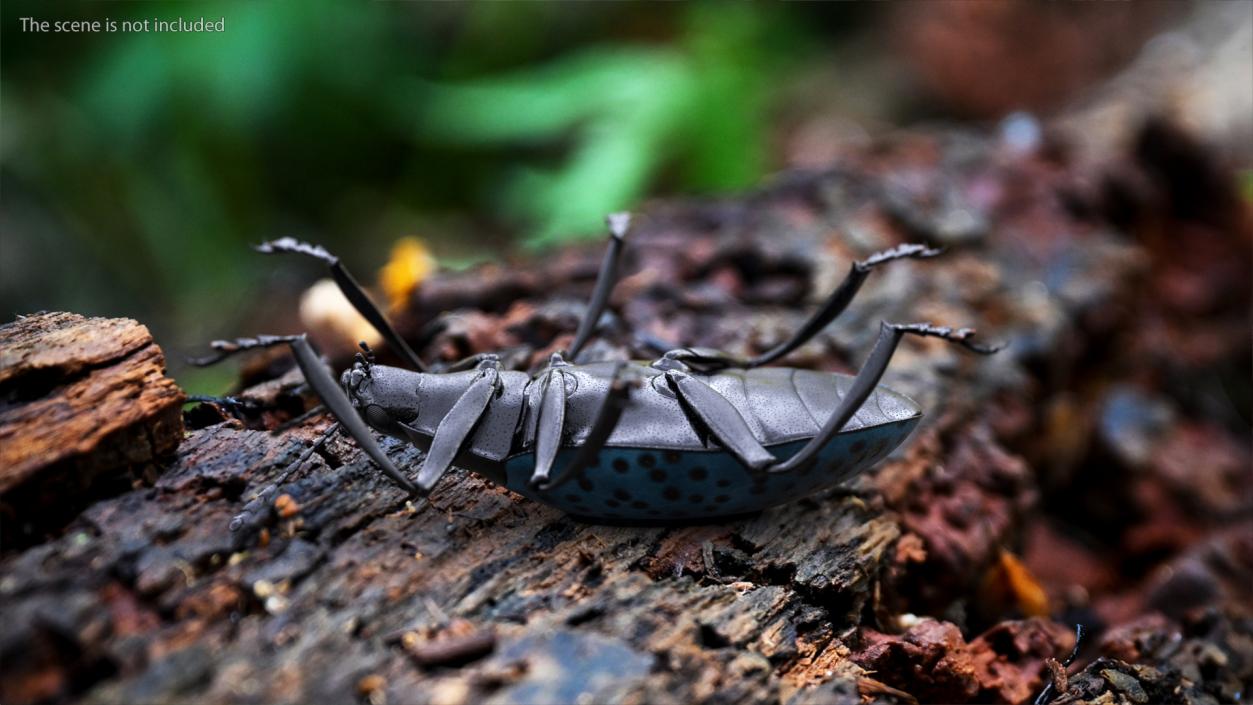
x=627 y=112
x=135 y=168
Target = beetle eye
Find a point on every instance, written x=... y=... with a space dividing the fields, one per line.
x=377 y=417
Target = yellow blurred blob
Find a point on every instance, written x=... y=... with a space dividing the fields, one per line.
x=332 y=322
x=1008 y=583
x=409 y=264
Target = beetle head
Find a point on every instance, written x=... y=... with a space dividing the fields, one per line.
x=382 y=395
x=387 y=397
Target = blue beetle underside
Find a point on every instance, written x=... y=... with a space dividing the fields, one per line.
x=696 y=434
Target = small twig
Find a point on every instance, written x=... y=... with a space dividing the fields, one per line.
x=253 y=514
x=1060 y=683
x=453 y=649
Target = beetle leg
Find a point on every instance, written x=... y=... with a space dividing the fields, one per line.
x=347 y=284
x=709 y=361
x=327 y=389
x=867 y=379
x=237 y=408
x=458 y=425
x=608 y=276
x=607 y=416
x=711 y=413
x=841 y=297
x=469 y=363
x=704 y=360
x=549 y=425
x=225 y=348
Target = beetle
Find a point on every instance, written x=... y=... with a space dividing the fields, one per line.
x=695 y=435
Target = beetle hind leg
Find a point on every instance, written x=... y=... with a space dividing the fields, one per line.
x=713 y=416
x=713 y=360
x=867 y=379
x=842 y=297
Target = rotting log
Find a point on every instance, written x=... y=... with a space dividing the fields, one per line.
x=85 y=408
x=481 y=596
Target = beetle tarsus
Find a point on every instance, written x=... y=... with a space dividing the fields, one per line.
x=909 y=250
x=226 y=348
x=293 y=246
x=233 y=405
x=961 y=336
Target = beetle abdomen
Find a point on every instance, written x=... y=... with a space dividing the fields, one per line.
x=651 y=485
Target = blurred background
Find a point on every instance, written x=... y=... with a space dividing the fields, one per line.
x=135 y=169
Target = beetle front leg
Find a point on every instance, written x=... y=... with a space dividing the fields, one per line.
x=351 y=289
x=454 y=431
x=327 y=389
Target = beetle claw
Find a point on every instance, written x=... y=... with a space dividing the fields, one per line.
x=909 y=250
x=292 y=245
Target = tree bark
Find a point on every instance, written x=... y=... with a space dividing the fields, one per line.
x=87 y=408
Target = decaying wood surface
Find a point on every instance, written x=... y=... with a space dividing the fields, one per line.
x=482 y=596
x=84 y=404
